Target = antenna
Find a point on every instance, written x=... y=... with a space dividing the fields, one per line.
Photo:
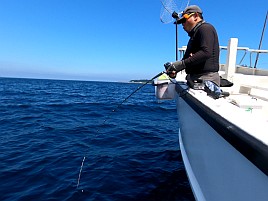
x=169 y=7
x=257 y=57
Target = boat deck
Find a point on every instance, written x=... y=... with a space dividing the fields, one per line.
x=250 y=93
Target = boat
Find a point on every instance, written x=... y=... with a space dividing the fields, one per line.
x=224 y=141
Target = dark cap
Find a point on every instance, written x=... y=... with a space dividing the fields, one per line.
x=192 y=9
x=188 y=10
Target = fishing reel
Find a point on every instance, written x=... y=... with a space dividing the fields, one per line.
x=170 y=69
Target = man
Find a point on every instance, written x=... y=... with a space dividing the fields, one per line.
x=201 y=59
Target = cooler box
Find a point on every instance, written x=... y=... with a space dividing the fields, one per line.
x=164 y=88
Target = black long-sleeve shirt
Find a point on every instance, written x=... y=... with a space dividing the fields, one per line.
x=202 y=53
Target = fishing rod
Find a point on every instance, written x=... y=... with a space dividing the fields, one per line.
x=84 y=158
x=159 y=74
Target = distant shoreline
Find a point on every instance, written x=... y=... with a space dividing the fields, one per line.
x=140 y=81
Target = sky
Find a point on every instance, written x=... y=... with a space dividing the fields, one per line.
x=111 y=40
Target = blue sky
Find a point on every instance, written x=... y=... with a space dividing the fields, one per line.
x=110 y=40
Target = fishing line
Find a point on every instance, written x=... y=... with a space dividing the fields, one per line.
x=84 y=158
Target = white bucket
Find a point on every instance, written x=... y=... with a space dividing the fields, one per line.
x=164 y=89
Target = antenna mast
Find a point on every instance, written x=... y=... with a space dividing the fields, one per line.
x=257 y=57
x=170 y=13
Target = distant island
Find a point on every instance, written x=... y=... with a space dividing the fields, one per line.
x=141 y=81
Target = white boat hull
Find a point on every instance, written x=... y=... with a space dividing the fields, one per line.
x=218 y=167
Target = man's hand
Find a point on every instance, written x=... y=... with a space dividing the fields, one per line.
x=173 y=68
x=179 y=65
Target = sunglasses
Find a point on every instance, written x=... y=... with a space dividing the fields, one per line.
x=186 y=16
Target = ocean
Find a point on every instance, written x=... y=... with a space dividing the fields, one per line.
x=48 y=127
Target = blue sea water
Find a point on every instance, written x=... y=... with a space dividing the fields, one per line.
x=48 y=126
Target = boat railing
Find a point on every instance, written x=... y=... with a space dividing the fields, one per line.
x=245 y=49
x=252 y=51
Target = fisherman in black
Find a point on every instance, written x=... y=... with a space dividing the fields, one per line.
x=201 y=59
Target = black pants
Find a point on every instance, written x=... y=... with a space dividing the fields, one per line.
x=213 y=76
